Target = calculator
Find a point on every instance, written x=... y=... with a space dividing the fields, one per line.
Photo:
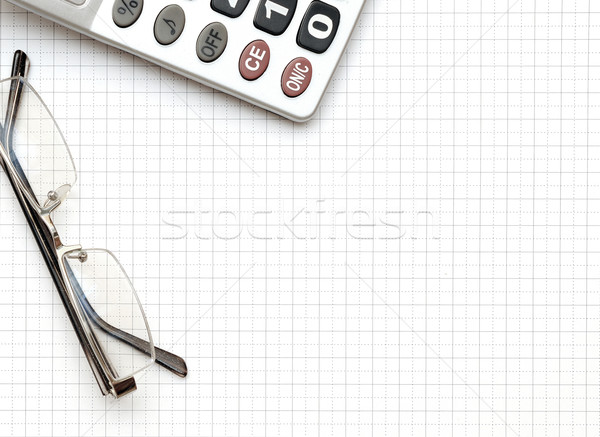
x=276 y=54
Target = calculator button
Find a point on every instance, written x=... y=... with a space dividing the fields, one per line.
x=296 y=77
x=255 y=60
x=274 y=16
x=126 y=12
x=169 y=24
x=319 y=26
x=231 y=8
x=211 y=42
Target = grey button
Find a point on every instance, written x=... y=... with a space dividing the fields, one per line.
x=169 y=24
x=211 y=42
x=126 y=12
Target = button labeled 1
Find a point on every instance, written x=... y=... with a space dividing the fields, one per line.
x=319 y=26
x=255 y=60
x=274 y=16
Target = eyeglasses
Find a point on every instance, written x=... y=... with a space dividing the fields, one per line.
x=98 y=296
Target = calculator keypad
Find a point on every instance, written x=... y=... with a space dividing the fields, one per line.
x=230 y=8
x=274 y=16
x=319 y=27
x=277 y=54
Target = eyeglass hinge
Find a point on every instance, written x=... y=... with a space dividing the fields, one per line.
x=124 y=387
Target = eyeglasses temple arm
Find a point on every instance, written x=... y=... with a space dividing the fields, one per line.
x=166 y=359
x=20 y=67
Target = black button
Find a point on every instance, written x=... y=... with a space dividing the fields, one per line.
x=231 y=8
x=274 y=16
x=319 y=26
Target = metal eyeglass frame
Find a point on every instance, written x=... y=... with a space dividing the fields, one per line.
x=53 y=251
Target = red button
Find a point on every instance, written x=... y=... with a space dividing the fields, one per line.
x=296 y=77
x=255 y=60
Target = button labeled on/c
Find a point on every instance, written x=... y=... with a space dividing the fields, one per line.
x=296 y=77
x=255 y=60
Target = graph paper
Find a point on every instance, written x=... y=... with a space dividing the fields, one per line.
x=421 y=259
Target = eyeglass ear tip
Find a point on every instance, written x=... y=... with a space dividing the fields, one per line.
x=184 y=370
x=181 y=369
x=21 y=64
x=171 y=362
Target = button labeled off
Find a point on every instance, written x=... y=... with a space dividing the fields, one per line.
x=296 y=77
x=212 y=42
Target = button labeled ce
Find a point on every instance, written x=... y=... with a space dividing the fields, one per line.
x=211 y=42
x=255 y=60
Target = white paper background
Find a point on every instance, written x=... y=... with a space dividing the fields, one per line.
x=420 y=259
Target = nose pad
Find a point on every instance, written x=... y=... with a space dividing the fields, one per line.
x=55 y=197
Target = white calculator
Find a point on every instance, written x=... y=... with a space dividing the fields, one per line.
x=276 y=54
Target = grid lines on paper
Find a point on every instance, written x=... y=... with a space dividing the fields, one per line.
x=420 y=259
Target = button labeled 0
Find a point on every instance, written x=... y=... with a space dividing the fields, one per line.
x=319 y=26
x=296 y=77
x=255 y=60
